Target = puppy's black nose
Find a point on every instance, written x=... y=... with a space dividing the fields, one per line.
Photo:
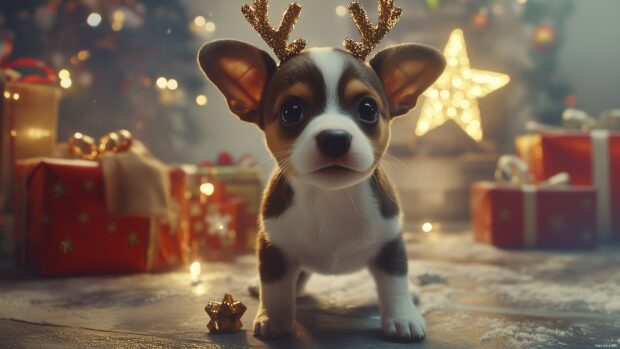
x=333 y=143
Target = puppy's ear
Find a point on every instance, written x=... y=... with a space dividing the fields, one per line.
x=240 y=71
x=406 y=71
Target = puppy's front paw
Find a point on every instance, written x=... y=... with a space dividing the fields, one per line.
x=268 y=328
x=411 y=327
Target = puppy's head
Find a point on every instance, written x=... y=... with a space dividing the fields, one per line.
x=325 y=114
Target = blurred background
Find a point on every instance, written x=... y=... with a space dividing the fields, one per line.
x=131 y=64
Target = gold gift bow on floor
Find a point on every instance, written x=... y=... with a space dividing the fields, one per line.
x=85 y=147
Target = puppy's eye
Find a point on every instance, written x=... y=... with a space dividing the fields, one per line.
x=292 y=113
x=367 y=110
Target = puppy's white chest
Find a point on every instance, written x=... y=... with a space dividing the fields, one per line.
x=332 y=231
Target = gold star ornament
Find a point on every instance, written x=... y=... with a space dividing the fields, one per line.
x=455 y=94
x=225 y=315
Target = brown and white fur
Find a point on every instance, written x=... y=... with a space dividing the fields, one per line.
x=326 y=211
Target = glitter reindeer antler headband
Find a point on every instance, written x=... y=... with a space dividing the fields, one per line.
x=278 y=39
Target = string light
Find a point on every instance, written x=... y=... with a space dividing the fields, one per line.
x=454 y=95
x=93 y=19
x=161 y=82
x=195 y=270
x=83 y=55
x=172 y=84
x=200 y=21
x=210 y=27
x=341 y=10
x=427 y=227
x=16 y=96
x=207 y=189
x=202 y=100
x=65 y=78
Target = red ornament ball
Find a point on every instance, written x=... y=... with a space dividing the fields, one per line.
x=480 y=20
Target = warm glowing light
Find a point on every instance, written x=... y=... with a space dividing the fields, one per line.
x=202 y=100
x=200 y=21
x=64 y=74
x=16 y=96
x=341 y=10
x=172 y=84
x=117 y=26
x=7 y=94
x=521 y=1
x=83 y=55
x=207 y=189
x=427 y=227
x=66 y=83
x=37 y=133
x=210 y=26
x=454 y=95
x=194 y=271
x=93 y=19
x=161 y=82
x=220 y=227
x=119 y=15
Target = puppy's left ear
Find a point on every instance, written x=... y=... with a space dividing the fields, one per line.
x=406 y=71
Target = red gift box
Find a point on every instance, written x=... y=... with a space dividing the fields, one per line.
x=590 y=159
x=513 y=216
x=217 y=228
x=63 y=227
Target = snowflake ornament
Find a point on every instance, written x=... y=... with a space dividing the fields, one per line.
x=218 y=223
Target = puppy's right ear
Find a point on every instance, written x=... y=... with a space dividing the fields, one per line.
x=241 y=72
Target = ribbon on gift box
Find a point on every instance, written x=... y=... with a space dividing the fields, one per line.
x=512 y=170
x=48 y=77
x=599 y=129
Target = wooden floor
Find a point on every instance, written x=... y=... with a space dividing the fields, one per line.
x=473 y=296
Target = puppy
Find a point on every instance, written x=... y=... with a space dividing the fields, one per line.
x=329 y=207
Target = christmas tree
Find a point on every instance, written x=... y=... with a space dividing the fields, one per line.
x=123 y=64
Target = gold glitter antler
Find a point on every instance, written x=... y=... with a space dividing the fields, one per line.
x=371 y=36
x=276 y=39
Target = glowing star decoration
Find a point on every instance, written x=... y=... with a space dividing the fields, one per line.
x=218 y=223
x=454 y=95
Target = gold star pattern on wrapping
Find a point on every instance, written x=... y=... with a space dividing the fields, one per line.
x=112 y=228
x=89 y=185
x=59 y=190
x=218 y=223
x=225 y=315
x=83 y=218
x=132 y=239
x=454 y=96
x=66 y=246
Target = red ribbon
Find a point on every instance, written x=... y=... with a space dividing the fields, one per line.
x=48 y=77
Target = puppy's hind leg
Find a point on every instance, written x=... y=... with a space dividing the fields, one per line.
x=400 y=319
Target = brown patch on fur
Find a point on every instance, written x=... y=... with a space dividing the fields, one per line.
x=277 y=197
x=385 y=193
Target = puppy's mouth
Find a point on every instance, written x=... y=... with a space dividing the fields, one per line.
x=334 y=170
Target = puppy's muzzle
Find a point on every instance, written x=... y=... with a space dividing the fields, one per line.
x=334 y=143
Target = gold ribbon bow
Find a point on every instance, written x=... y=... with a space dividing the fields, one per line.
x=85 y=147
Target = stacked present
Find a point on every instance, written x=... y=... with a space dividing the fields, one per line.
x=224 y=200
x=28 y=119
x=124 y=212
x=532 y=212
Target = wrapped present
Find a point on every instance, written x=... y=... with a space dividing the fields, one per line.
x=64 y=224
x=591 y=158
x=520 y=215
x=28 y=115
x=217 y=228
x=222 y=182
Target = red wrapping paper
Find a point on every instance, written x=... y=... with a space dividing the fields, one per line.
x=564 y=217
x=217 y=228
x=573 y=153
x=63 y=228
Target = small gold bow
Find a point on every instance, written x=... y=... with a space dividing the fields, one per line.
x=85 y=147
x=225 y=315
